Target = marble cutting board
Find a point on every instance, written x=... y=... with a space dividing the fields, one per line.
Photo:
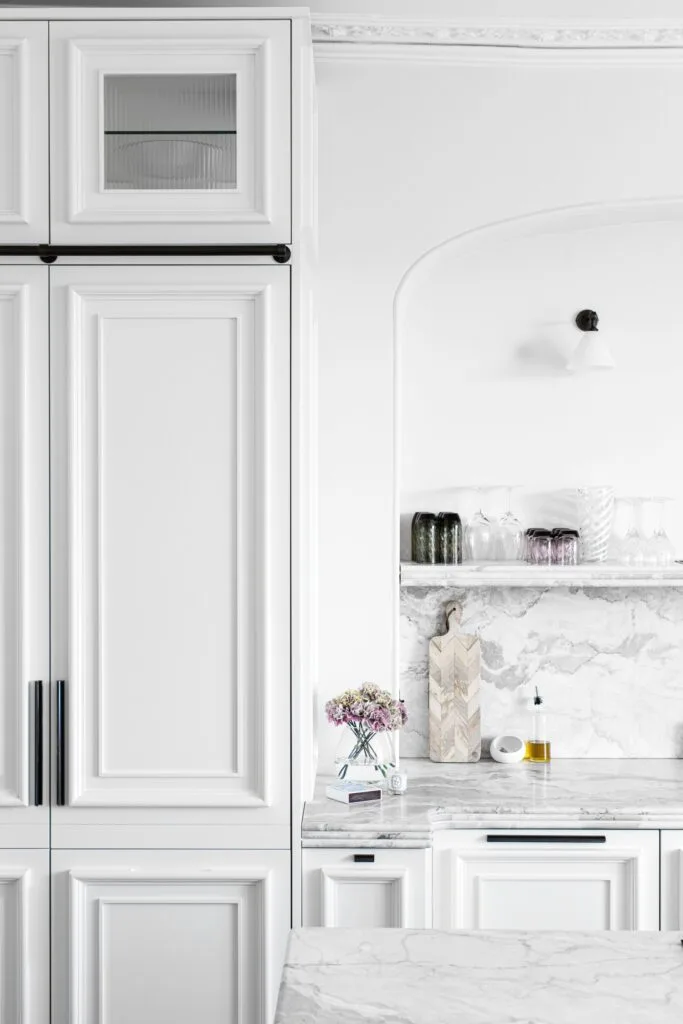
x=454 y=685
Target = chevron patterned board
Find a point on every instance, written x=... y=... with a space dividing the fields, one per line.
x=454 y=683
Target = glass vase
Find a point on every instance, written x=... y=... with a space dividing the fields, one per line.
x=363 y=755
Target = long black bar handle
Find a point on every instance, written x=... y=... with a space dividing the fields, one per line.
x=545 y=839
x=38 y=743
x=279 y=251
x=60 y=715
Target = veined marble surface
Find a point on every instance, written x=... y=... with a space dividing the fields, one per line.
x=397 y=976
x=608 y=662
x=580 y=793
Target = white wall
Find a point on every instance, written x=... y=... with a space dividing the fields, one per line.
x=413 y=153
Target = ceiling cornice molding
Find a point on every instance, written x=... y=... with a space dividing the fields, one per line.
x=550 y=35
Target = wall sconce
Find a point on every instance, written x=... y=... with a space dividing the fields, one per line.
x=592 y=352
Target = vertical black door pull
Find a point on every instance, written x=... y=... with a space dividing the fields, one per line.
x=38 y=743
x=60 y=787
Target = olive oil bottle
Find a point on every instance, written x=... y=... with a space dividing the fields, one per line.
x=538 y=744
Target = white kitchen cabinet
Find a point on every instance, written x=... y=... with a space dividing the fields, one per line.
x=24 y=181
x=171 y=131
x=168 y=936
x=170 y=542
x=571 y=880
x=24 y=547
x=367 y=888
x=672 y=879
x=24 y=937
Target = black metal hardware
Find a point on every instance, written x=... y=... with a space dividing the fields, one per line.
x=587 y=320
x=38 y=743
x=507 y=838
x=60 y=752
x=280 y=252
x=364 y=858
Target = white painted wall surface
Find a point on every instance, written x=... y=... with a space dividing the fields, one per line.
x=413 y=153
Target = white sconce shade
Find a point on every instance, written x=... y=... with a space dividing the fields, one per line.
x=592 y=351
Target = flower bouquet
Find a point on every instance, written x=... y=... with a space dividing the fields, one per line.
x=370 y=715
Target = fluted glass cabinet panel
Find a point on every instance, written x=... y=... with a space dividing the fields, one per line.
x=170 y=132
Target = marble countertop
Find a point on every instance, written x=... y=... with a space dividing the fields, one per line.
x=578 y=793
x=397 y=976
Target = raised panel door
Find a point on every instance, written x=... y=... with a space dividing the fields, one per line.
x=168 y=131
x=170 y=455
x=24 y=551
x=165 y=937
x=583 y=880
x=24 y=181
x=24 y=937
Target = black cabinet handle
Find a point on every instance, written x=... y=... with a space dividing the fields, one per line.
x=60 y=785
x=364 y=858
x=545 y=839
x=38 y=743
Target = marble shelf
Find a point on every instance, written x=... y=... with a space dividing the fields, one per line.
x=519 y=574
x=567 y=793
x=340 y=976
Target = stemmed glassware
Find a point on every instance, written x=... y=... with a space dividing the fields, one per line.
x=645 y=544
x=660 y=552
x=479 y=534
x=510 y=535
x=497 y=536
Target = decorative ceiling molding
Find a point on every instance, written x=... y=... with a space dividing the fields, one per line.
x=399 y=31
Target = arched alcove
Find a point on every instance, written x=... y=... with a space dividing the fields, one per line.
x=484 y=326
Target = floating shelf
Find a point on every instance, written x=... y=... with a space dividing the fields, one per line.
x=519 y=574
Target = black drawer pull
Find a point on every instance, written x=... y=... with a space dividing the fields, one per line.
x=364 y=858
x=60 y=753
x=546 y=839
x=38 y=743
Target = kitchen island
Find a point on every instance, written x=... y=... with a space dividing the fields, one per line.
x=401 y=976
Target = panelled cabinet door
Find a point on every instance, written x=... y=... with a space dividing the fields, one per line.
x=24 y=550
x=24 y=181
x=585 y=881
x=170 y=132
x=24 y=937
x=170 y=512
x=367 y=888
x=672 y=880
x=167 y=937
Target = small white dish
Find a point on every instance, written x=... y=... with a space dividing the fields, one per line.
x=508 y=749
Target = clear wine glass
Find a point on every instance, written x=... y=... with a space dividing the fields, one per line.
x=632 y=550
x=623 y=518
x=479 y=535
x=663 y=551
x=510 y=535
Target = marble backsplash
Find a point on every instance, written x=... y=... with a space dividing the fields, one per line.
x=609 y=664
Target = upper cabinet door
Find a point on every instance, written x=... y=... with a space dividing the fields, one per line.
x=170 y=476
x=170 y=132
x=24 y=186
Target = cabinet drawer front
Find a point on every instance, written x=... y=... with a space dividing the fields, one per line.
x=24 y=185
x=170 y=456
x=168 y=131
x=24 y=936
x=582 y=880
x=367 y=888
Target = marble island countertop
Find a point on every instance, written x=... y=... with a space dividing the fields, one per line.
x=578 y=793
x=396 y=976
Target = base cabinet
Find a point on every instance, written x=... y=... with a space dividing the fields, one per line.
x=24 y=937
x=581 y=880
x=367 y=888
x=672 y=880
x=165 y=937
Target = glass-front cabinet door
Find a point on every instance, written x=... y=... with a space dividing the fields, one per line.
x=170 y=132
